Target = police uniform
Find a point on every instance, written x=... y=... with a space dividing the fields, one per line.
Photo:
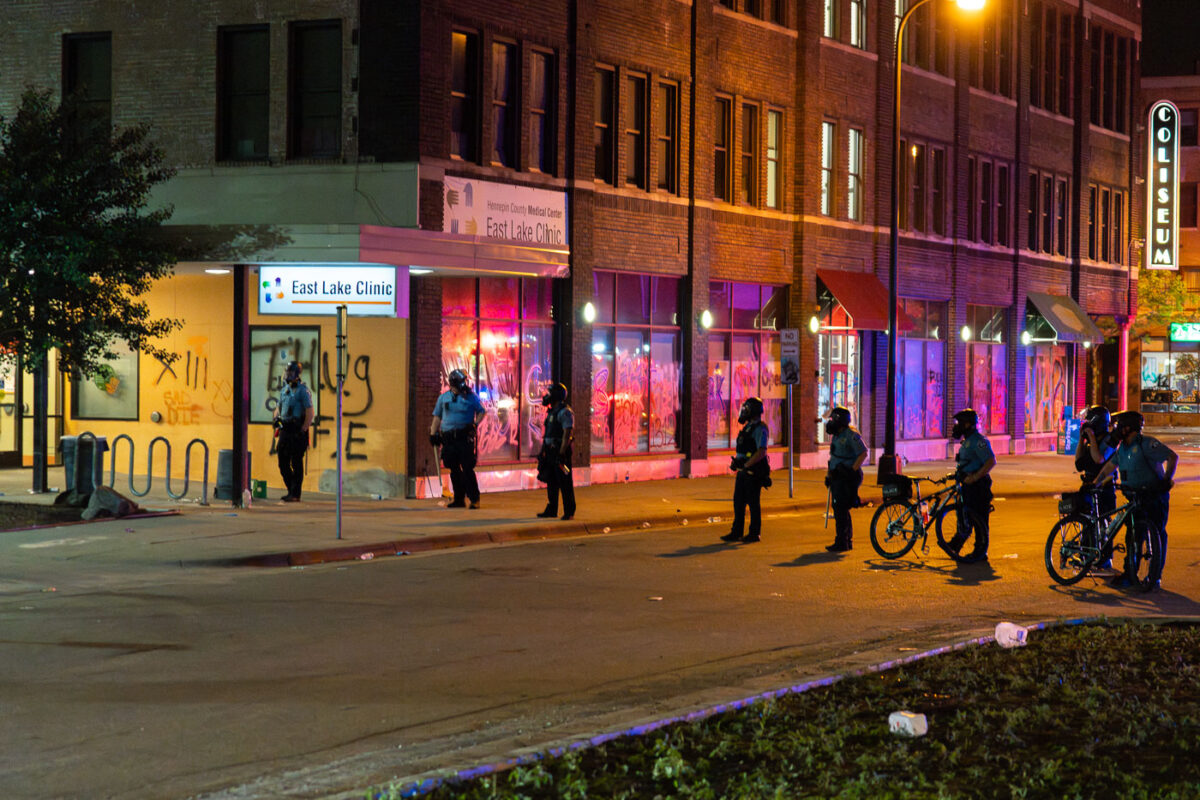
x=294 y=402
x=974 y=452
x=844 y=479
x=555 y=464
x=457 y=413
x=1141 y=467
x=747 y=486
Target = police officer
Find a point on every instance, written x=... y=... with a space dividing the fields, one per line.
x=455 y=417
x=846 y=456
x=1094 y=449
x=974 y=461
x=753 y=472
x=1147 y=465
x=554 y=462
x=293 y=417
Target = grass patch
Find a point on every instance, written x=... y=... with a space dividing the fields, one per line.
x=14 y=516
x=1080 y=712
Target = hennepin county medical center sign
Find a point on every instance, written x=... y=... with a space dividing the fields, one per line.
x=1162 y=181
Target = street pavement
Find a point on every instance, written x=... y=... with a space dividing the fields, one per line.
x=149 y=658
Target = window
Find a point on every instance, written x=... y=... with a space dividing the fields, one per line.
x=722 y=128
x=1187 y=127
x=1051 y=58
x=87 y=73
x=116 y=397
x=604 y=97
x=854 y=176
x=667 y=134
x=1093 y=210
x=1118 y=227
x=464 y=67
x=990 y=51
x=972 y=198
x=1060 y=217
x=858 y=23
x=1048 y=385
x=499 y=331
x=775 y=11
x=920 y=371
x=917 y=182
x=827 y=145
x=637 y=364
x=1047 y=214
x=774 y=142
x=749 y=189
x=904 y=190
x=938 y=191
x=1106 y=224
x=1032 y=213
x=830 y=27
x=1003 y=222
x=1187 y=205
x=922 y=188
x=243 y=93
x=1105 y=241
x=543 y=141
x=315 y=107
x=1110 y=80
x=987 y=372
x=743 y=358
x=926 y=37
x=985 y=202
x=505 y=73
x=634 y=118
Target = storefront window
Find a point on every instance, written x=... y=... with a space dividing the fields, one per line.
x=743 y=358
x=499 y=331
x=920 y=370
x=987 y=373
x=1170 y=376
x=637 y=366
x=1047 y=384
x=839 y=370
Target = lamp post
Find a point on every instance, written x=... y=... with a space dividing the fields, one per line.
x=887 y=462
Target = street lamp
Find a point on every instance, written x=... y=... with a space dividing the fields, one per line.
x=887 y=462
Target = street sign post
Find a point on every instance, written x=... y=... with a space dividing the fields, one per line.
x=789 y=373
x=342 y=364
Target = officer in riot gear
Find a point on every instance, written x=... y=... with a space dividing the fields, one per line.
x=554 y=461
x=974 y=461
x=844 y=475
x=293 y=417
x=456 y=415
x=1097 y=446
x=753 y=472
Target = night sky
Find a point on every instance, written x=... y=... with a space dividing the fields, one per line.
x=1171 y=37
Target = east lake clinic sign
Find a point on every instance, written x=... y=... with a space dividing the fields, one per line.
x=505 y=212
x=318 y=289
x=1162 y=180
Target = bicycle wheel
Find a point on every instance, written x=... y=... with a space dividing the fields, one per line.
x=962 y=534
x=1068 y=556
x=1142 y=559
x=894 y=529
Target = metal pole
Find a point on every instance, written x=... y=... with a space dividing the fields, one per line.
x=341 y=378
x=791 y=446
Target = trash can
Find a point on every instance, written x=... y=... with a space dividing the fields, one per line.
x=224 y=488
x=89 y=452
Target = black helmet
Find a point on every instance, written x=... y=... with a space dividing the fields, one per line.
x=839 y=420
x=1125 y=421
x=557 y=393
x=964 y=422
x=752 y=408
x=1097 y=418
x=292 y=373
x=457 y=380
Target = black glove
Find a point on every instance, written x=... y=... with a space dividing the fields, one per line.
x=828 y=479
x=737 y=463
x=435 y=439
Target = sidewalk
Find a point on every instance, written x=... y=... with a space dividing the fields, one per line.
x=275 y=535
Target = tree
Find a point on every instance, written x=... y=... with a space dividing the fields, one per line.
x=78 y=245
x=1162 y=299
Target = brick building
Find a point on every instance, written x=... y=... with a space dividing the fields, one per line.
x=632 y=198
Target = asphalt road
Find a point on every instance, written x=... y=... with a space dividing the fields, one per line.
x=134 y=679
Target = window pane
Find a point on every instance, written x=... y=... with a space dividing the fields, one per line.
x=458 y=297
x=538 y=297
x=774 y=307
x=537 y=342
x=633 y=299
x=771 y=389
x=999 y=401
x=745 y=369
x=630 y=423
x=499 y=388
x=604 y=284
x=746 y=305
x=602 y=391
x=666 y=382
x=718 y=391
x=664 y=308
x=935 y=361
x=315 y=115
x=459 y=345
x=910 y=375
x=498 y=298
x=719 y=298
x=243 y=93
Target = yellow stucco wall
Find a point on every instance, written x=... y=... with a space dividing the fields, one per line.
x=194 y=396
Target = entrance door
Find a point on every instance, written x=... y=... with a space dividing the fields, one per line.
x=10 y=415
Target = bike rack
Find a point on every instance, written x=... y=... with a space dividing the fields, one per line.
x=97 y=475
x=187 y=463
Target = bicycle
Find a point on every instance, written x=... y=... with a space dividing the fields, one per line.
x=906 y=520
x=1084 y=534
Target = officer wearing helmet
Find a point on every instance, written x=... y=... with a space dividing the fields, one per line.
x=1095 y=448
x=554 y=461
x=293 y=417
x=1148 y=466
x=846 y=456
x=456 y=415
x=974 y=461
x=753 y=472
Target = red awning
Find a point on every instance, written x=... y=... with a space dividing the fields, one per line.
x=864 y=298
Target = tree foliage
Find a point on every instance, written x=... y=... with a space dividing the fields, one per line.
x=78 y=245
x=1162 y=299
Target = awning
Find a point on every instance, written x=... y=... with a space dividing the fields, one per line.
x=864 y=298
x=460 y=254
x=1058 y=318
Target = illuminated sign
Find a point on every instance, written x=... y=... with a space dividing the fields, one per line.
x=1185 y=331
x=1162 y=182
x=318 y=289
